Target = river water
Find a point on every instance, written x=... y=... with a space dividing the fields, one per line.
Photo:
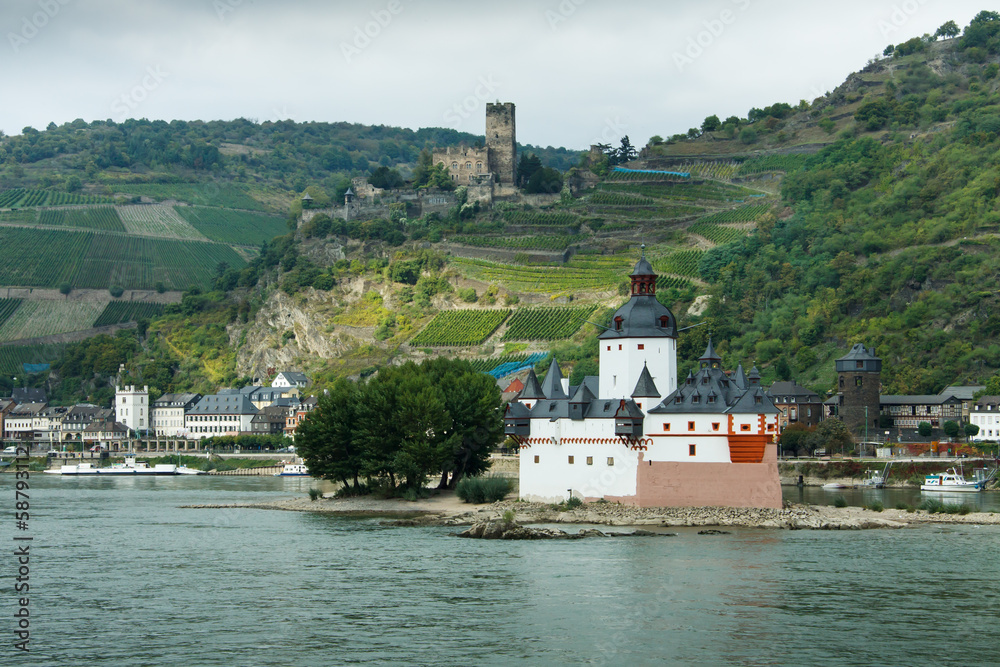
x=121 y=575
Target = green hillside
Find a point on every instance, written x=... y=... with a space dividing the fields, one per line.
x=867 y=215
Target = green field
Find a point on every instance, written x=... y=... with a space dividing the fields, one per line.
x=682 y=262
x=45 y=318
x=97 y=217
x=87 y=259
x=13 y=357
x=21 y=197
x=460 y=327
x=118 y=311
x=226 y=195
x=234 y=227
x=7 y=308
x=544 y=279
x=157 y=220
x=545 y=323
x=552 y=243
x=717 y=233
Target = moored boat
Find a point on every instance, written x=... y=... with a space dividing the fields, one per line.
x=293 y=470
x=129 y=467
x=951 y=481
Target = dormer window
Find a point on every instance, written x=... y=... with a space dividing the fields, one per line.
x=696 y=398
x=757 y=399
x=711 y=399
x=664 y=321
x=618 y=323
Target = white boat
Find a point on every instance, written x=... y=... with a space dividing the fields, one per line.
x=293 y=470
x=835 y=485
x=129 y=467
x=875 y=479
x=184 y=470
x=951 y=481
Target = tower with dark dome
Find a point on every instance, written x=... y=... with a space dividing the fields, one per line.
x=643 y=334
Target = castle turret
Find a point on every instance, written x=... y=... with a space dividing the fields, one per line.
x=501 y=140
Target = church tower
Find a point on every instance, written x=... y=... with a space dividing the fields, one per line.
x=642 y=337
x=501 y=142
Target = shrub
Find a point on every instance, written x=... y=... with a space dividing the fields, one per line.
x=315 y=494
x=508 y=516
x=932 y=506
x=488 y=489
x=840 y=501
x=116 y=291
x=876 y=506
x=573 y=502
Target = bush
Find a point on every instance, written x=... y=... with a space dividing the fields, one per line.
x=932 y=506
x=876 y=506
x=315 y=494
x=573 y=502
x=840 y=501
x=487 y=489
x=116 y=291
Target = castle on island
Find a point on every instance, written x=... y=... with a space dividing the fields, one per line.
x=634 y=435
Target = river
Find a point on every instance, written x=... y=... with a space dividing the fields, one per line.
x=121 y=575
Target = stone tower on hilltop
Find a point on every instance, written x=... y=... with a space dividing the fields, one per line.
x=859 y=382
x=501 y=140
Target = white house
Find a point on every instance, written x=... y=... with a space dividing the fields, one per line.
x=132 y=407
x=986 y=415
x=290 y=379
x=167 y=414
x=225 y=413
x=633 y=435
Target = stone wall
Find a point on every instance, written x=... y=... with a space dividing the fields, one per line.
x=464 y=164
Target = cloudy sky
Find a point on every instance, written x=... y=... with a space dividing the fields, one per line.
x=579 y=71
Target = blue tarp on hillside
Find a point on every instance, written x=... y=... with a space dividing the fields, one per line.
x=514 y=366
x=682 y=174
x=35 y=368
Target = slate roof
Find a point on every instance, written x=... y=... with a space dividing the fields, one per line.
x=862 y=355
x=28 y=395
x=712 y=391
x=176 y=400
x=223 y=404
x=645 y=387
x=27 y=409
x=918 y=399
x=598 y=408
x=740 y=378
x=966 y=393
x=641 y=315
x=782 y=391
x=986 y=404
x=294 y=378
x=532 y=390
x=552 y=384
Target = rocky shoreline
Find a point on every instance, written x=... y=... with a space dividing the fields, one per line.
x=446 y=510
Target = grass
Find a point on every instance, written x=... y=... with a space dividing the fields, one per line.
x=840 y=501
x=487 y=489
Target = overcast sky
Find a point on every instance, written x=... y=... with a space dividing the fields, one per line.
x=579 y=71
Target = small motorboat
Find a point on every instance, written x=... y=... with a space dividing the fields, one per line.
x=951 y=481
x=293 y=470
x=184 y=470
x=835 y=485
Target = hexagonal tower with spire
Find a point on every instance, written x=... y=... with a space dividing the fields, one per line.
x=642 y=335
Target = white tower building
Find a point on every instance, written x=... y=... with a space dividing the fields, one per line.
x=132 y=407
x=643 y=334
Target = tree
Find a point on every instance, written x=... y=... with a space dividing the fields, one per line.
x=924 y=429
x=793 y=438
x=527 y=166
x=971 y=430
x=65 y=288
x=386 y=178
x=782 y=368
x=73 y=184
x=327 y=438
x=951 y=428
x=116 y=291
x=545 y=179
x=422 y=172
x=948 y=30
x=887 y=51
x=711 y=124
x=831 y=434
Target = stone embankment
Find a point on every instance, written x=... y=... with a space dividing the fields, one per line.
x=446 y=510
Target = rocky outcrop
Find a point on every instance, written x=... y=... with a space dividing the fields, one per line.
x=511 y=530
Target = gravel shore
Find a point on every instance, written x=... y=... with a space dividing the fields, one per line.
x=445 y=509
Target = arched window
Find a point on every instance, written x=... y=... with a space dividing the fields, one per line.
x=454 y=165
x=468 y=165
x=618 y=323
x=664 y=321
x=479 y=166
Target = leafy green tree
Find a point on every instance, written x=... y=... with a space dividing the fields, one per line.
x=951 y=428
x=386 y=178
x=65 y=288
x=711 y=124
x=422 y=172
x=116 y=291
x=73 y=184
x=527 y=165
x=924 y=429
x=831 y=434
x=971 y=430
x=948 y=29
x=545 y=179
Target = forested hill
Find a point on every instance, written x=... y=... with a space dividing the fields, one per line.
x=284 y=154
x=890 y=234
